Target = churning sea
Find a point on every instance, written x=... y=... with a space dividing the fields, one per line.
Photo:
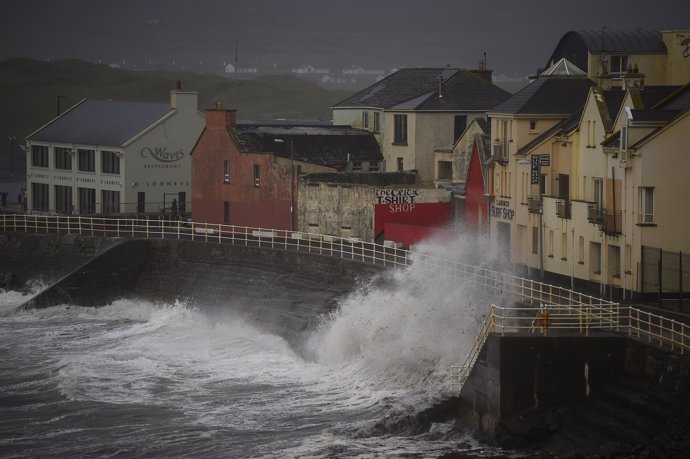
x=142 y=379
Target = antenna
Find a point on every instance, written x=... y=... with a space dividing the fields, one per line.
x=234 y=83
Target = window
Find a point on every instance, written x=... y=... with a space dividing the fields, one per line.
x=63 y=199
x=614 y=261
x=595 y=257
x=564 y=246
x=550 y=243
x=226 y=212
x=400 y=165
x=445 y=170
x=257 y=181
x=110 y=162
x=459 y=125
x=400 y=129
x=535 y=239
x=141 y=202
x=377 y=121
x=226 y=171
x=624 y=139
x=619 y=65
x=111 y=202
x=532 y=125
x=598 y=191
x=39 y=155
x=373 y=166
x=581 y=250
x=87 y=160
x=365 y=120
x=628 y=258
x=40 y=195
x=86 y=200
x=63 y=158
x=356 y=165
x=182 y=202
x=646 y=204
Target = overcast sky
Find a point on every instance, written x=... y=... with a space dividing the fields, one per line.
x=517 y=35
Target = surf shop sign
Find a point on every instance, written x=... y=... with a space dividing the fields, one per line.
x=501 y=210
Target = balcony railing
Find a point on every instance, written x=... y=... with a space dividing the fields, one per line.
x=611 y=222
x=500 y=150
x=594 y=213
x=534 y=204
x=563 y=208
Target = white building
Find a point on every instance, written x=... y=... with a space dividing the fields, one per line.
x=115 y=157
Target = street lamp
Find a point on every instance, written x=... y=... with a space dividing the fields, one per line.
x=12 y=139
x=292 y=181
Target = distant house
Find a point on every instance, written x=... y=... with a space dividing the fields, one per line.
x=246 y=174
x=415 y=112
x=109 y=157
x=610 y=57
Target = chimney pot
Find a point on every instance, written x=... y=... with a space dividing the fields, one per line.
x=178 y=85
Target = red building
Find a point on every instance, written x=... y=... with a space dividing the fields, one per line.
x=475 y=216
x=246 y=174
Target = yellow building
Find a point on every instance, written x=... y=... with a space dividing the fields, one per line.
x=611 y=57
x=604 y=228
x=517 y=184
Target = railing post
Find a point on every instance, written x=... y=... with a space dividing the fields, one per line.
x=219 y=234
x=147 y=227
x=673 y=335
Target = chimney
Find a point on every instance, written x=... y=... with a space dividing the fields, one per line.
x=220 y=118
x=183 y=100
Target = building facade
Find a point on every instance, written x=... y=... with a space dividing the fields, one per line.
x=112 y=157
x=415 y=113
x=247 y=174
x=610 y=57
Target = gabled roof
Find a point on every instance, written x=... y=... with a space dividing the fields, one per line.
x=102 y=122
x=653 y=116
x=418 y=89
x=575 y=45
x=547 y=96
x=561 y=128
x=316 y=144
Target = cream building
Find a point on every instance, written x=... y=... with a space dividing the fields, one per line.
x=105 y=156
x=417 y=113
x=595 y=231
x=518 y=185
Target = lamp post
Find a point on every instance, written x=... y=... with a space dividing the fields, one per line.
x=292 y=181
x=12 y=139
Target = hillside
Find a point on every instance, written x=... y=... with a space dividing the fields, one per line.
x=29 y=93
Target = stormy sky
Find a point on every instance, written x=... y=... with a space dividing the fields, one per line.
x=517 y=35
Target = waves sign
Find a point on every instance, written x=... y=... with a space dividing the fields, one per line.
x=162 y=154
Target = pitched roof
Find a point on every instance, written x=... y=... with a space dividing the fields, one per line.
x=316 y=144
x=563 y=127
x=102 y=122
x=547 y=96
x=418 y=89
x=564 y=68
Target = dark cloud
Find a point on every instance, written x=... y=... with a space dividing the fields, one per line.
x=517 y=36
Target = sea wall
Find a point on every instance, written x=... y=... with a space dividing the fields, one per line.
x=282 y=291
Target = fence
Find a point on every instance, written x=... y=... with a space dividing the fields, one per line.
x=583 y=319
x=547 y=307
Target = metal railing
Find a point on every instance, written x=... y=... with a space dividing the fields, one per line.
x=546 y=307
x=147 y=228
x=581 y=319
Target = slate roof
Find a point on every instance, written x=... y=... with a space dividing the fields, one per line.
x=654 y=116
x=547 y=96
x=678 y=100
x=102 y=122
x=418 y=89
x=330 y=146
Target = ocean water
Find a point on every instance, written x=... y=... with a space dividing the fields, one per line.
x=141 y=379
